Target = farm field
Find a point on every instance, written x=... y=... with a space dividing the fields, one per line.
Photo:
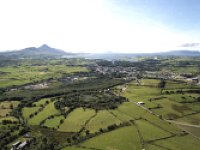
x=77 y=104
x=19 y=75
x=101 y=121
x=76 y=120
x=44 y=114
x=123 y=138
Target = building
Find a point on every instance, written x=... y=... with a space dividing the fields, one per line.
x=140 y=103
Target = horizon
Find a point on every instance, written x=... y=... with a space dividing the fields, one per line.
x=101 y=26
x=108 y=52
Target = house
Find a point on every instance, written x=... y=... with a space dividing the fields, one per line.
x=140 y=103
x=195 y=80
x=22 y=145
x=15 y=145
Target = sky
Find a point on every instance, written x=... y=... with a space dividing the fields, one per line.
x=98 y=26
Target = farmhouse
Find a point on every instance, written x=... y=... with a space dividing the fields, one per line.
x=22 y=145
x=19 y=145
x=195 y=80
x=140 y=103
x=15 y=145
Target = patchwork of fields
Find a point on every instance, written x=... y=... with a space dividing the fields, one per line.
x=169 y=117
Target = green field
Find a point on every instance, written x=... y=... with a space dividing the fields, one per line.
x=102 y=120
x=125 y=138
x=149 y=131
x=27 y=74
x=180 y=143
x=76 y=120
x=46 y=112
x=27 y=111
x=54 y=122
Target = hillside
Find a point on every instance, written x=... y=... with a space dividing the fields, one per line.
x=32 y=52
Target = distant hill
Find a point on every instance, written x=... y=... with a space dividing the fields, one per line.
x=33 y=52
x=180 y=53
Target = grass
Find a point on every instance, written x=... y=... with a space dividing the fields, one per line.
x=46 y=112
x=172 y=110
x=102 y=120
x=54 y=122
x=180 y=143
x=191 y=119
x=180 y=98
x=27 y=111
x=7 y=104
x=5 y=112
x=162 y=124
x=76 y=120
x=41 y=102
x=28 y=74
x=132 y=110
x=74 y=148
x=125 y=138
x=194 y=130
x=149 y=131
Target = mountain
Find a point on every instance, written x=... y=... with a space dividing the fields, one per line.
x=33 y=52
x=179 y=53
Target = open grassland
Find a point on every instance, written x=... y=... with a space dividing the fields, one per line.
x=120 y=115
x=132 y=110
x=76 y=120
x=172 y=110
x=9 y=104
x=27 y=111
x=42 y=102
x=153 y=147
x=5 y=112
x=45 y=113
x=190 y=119
x=161 y=123
x=27 y=74
x=180 y=143
x=75 y=148
x=53 y=122
x=101 y=121
x=6 y=107
x=180 y=98
x=194 y=130
x=125 y=138
x=150 y=131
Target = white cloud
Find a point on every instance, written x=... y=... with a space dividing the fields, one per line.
x=81 y=25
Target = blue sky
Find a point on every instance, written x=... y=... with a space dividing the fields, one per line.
x=101 y=25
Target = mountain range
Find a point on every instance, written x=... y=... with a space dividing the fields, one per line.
x=49 y=52
x=42 y=51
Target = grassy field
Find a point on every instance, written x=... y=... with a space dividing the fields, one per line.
x=180 y=143
x=125 y=138
x=149 y=131
x=132 y=110
x=27 y=111
x=76 y=120
x=9 y=104
x=46 y=112
x=102 y=120
x=74 y=148
x=41 y=102
x=191 y=119
x=27 y=74
x=4 y=112
x=54 y=122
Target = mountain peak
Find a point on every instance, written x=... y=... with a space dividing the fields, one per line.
x=44 y=46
